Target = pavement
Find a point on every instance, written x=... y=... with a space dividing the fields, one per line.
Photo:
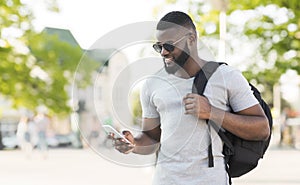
x=280 y=166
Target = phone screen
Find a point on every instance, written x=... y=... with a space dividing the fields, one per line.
x=109 y=129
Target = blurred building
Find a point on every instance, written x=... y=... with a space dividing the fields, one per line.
x=97 y=102
x=94 y=103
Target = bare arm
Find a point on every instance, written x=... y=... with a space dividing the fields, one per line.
x=149 y=141
x=250 y=124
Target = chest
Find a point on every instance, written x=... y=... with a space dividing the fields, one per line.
x=168 y=95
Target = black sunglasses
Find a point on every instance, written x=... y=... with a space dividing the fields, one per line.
x=169 y=46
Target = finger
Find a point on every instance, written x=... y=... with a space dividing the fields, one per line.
x=120 y=142
x=129 y=151
x=121 y=149
x=111 y=135
x=126 y=151
x=190 y=111
x=128 y=135
x=188 y=101
x=189 y=106
x=189 y=95
x=125 y=148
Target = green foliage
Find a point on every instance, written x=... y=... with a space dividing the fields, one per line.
x=14 y=24
x=136 y=108
x=252 y=4
x=279 y=37
x=36 y=68
x=60 y=59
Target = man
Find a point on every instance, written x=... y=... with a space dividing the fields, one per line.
x=174 y=118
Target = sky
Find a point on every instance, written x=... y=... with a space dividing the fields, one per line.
x=88 y=20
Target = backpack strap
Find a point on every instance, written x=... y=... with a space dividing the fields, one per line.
x=200 y=83
x=201 y=78
x=227 y=151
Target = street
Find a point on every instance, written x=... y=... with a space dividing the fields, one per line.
x=84 y=166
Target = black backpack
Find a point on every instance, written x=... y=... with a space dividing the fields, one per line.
x=241 y=156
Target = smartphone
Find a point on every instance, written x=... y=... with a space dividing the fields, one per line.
x=109 y=129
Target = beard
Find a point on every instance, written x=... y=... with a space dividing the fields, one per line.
x=179 y=61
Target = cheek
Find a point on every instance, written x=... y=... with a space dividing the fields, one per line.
x=176 y=53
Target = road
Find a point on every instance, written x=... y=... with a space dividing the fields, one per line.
x=84 y=166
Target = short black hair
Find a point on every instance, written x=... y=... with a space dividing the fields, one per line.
x=175 y=18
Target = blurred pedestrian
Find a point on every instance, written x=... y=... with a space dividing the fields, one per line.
x=25 y=132
x=42 y=122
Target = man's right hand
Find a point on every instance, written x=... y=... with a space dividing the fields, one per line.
x=122 y=146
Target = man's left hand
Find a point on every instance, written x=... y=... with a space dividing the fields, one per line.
x=197 y=105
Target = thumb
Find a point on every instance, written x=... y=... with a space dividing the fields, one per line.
x=128 y=135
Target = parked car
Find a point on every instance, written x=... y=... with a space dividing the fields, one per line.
x=10 y=141
x=59 y=140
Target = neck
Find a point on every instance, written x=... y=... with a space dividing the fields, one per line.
x=191 y=67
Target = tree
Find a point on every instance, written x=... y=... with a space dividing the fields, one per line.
x=56 y=62
x=15 y=25
x=36 y=68
x=271 y=26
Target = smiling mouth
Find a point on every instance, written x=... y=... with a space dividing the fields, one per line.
x=169 y=61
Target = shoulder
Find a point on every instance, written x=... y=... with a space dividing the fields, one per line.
x=228 y=69
x=232 y=79
x=226 y=73
x=231 y=74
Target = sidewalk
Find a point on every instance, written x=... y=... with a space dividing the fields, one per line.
x=79 y=167
x=280 y=166
x=67 y=167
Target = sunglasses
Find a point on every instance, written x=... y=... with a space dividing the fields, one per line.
x=169 y=46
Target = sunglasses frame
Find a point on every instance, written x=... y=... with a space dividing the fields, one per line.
x=167 y=45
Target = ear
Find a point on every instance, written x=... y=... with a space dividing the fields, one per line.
x=192 y=39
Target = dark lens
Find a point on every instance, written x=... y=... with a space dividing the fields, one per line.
x=157 y=48
x=169 y=47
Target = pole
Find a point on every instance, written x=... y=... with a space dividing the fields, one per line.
x=222 y=41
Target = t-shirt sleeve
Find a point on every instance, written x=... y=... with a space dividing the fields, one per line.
x=240 y=94
x=148 y=108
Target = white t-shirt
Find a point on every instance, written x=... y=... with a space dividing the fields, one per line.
x=183 y=155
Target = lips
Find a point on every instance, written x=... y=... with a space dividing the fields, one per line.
x=169 y=61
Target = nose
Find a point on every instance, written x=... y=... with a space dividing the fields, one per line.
x=164 y=52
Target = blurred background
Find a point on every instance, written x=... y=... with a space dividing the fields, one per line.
x=49 y=125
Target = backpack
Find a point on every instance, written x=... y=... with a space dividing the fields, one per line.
x=241 y=156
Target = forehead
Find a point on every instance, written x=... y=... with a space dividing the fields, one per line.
x=170 y=34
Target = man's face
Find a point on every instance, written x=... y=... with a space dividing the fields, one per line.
x=175 y=58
